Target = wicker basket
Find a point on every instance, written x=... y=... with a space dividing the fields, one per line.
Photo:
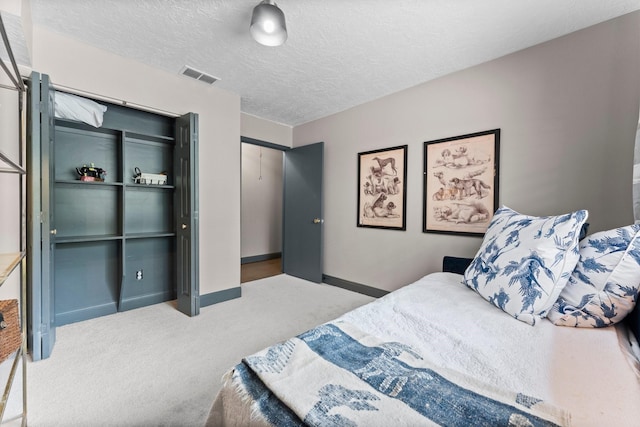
x=10 y=333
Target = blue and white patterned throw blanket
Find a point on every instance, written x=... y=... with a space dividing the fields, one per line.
x=337 y=375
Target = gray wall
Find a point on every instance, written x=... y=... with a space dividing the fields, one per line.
x=261 y=201
x=568 y=110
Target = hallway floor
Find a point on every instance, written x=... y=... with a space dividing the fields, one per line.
x=259 y=270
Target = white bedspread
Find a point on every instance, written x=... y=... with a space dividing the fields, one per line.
x=584 y=371
x=588 y=372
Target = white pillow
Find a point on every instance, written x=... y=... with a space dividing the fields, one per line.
x=604 y=286
x=80 y=109
x=524 y=261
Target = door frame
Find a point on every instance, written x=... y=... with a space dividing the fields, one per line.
x=284 y=149
x=265 y=144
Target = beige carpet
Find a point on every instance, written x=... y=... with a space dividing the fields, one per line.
x=157 y=367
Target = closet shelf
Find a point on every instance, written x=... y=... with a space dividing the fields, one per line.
x=143 y=138
x=107 y=237
x=88 y=183
x=94 y=238
x=148 y=235
x=150 y=186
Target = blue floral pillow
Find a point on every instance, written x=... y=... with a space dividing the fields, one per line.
x=604 y=286
x=524 y=261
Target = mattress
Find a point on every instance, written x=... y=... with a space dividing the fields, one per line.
x=592 y=374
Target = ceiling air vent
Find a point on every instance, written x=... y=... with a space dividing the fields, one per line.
x=198 y=75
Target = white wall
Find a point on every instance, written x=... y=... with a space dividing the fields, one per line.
x=568 y=111
x=74 y=64
x=265 y=130
x=9 y=184
x=261 y=201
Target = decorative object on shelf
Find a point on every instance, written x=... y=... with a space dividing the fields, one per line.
x=91 y=173
x=10 y=335
x=461 y=183
x=149 y=178
x=268 y=26
x=382 y=183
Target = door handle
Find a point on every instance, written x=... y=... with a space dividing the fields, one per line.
x=53 y=232
x=184 y=226
x=317 y=220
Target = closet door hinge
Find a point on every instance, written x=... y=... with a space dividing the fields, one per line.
x=43 y=329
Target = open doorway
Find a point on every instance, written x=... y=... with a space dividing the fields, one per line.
x=261 y=209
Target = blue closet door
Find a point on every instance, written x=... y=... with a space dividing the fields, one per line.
x=186 y=215
x=41 y=328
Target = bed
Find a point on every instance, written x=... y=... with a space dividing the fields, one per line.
x=439 y=352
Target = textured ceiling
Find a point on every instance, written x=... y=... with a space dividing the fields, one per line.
x=15 y=35
x=339 y=54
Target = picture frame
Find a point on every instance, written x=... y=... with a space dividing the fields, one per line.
x=382 y=185
x=461 y=176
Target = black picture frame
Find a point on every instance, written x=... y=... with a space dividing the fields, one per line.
x=382 y=188
x=460 y=188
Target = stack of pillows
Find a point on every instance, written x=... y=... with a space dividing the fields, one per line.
x=535 y=267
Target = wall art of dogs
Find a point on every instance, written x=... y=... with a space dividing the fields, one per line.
x=449 y=193
x=468 y=187
x=393 y=185
x=462 y=213
x=388 y=161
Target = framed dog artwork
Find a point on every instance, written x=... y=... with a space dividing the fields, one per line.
x=382 y=183
x=461 y=183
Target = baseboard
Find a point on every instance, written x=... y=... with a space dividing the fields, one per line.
x=353 y=286
x=220 y=296
x=85 y=313
x=145 y=300
x=258 y=258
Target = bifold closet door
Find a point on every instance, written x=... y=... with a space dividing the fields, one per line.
x=186 y=205
x=41 y=327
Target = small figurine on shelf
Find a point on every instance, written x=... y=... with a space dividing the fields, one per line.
x=91 y=173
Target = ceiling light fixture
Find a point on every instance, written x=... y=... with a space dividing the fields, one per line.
x=267 y=24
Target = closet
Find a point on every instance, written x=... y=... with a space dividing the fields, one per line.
x=111 y=242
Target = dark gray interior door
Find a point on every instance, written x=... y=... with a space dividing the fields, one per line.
x=186 y=206
x=41 y=230
x=302 y=212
